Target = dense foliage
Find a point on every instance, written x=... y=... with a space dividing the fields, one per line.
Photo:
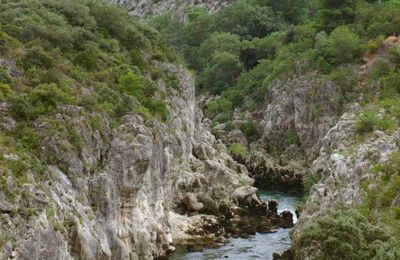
x=346 y=234
x=239 y=51
x=84 y=53
x=66 y=48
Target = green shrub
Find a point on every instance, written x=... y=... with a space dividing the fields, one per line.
x=343 y=46
x=374 y=44
x=346 y=78
x=28 y=138
x=36 y=56
x=74 y=138
x=395 y=55
x=346 y=234
x=250 y=130
x=4 y=77
x=310 y=180
x=369 y=121
x=391 y=84
x=158 y=108
x=31 y=212
x=46 y=97
x=238 y=150
x=219 y=106
x=293 y=138
x=88 y=57
x=131 y=84
x=20 y=105
x=380 y=69
x=222 y=72
x=18 y=167
x=5 y=91
x=366 y=122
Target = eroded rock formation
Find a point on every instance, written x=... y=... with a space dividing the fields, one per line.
x=113 y=192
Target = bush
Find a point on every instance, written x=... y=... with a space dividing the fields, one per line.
x=380 y=69
x=43 y=99
x=293 y=138
x=157 y=108
x=20 y=106
x=369 y=121
x=343 y=46
x=219 y=106
x=250 y=130
x=36 y=56
x=131 y=84
x=238 y=150
x=4 y=77
x=5 y=91
x=346 y=234
x=88 y=58
x=28 y=137
x=374 y=44
x=395 y=55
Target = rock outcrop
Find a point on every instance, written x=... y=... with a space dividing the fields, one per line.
x=149 y=7
x=343 y=164
x=111 y=192
x=300 y=111
x=347 y=158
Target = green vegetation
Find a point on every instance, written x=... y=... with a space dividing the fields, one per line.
x=238 y=150
x=369 y=121
x=93 y=55
x=346 y=234
x=239 y=51
x=66 y=48
x=84 y=53
x=381 y=202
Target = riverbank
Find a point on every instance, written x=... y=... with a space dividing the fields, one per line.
x=259 y=246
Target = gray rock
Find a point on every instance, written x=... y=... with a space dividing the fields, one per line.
x=111 y=195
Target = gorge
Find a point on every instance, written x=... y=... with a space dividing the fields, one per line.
x=141 y=129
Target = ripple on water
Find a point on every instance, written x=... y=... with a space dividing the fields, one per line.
x=260 y=246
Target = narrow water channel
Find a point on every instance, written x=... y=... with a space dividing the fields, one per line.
x=260 y=246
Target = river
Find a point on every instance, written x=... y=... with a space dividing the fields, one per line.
x=260 y=246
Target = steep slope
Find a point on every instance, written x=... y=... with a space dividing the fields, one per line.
x=102 y=144
x=310 y=106
x=357 y=169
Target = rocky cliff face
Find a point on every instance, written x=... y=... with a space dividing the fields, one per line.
x=345 y=165
x=351 y=165
x=148 y=7
x=113 y=196
x=297 y=115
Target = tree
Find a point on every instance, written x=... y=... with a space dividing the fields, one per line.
x=218 y=42
x=222 y=72
x=131 y=84
x=333 y=13
x=343 y=46
x=291 y=10
x=247 y=20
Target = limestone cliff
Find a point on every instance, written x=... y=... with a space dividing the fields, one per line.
x=114 y=197
x=356 y=167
